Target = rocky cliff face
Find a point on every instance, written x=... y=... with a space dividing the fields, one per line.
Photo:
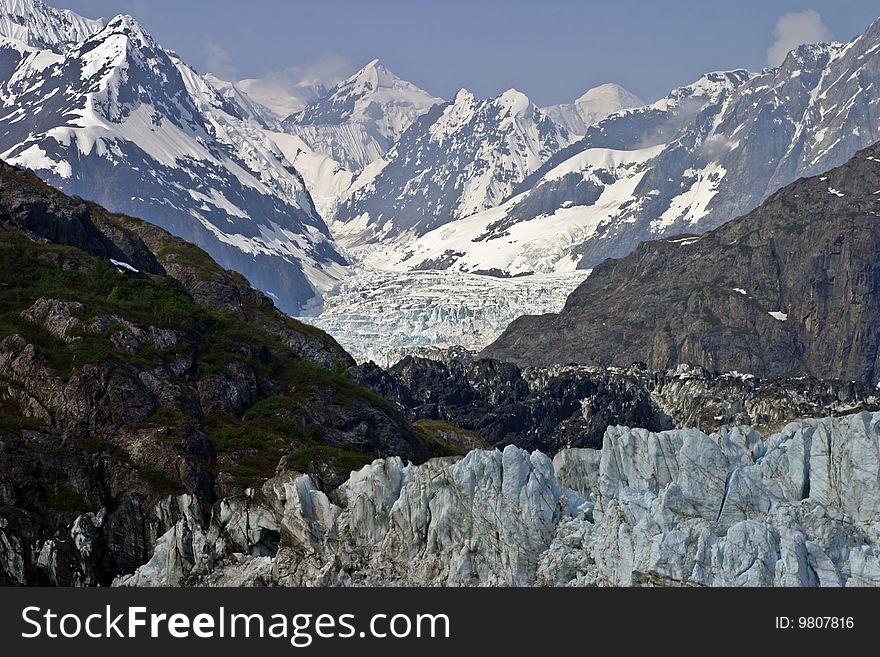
x=133 y=367
x=680 y=508
x=787 y=290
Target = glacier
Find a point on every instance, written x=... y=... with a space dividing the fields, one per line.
x=383 y=316
x=680 y=508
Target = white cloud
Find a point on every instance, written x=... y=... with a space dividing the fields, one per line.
x=795 y=29
x=288 y=90
x=329 y=68
x=218 y=61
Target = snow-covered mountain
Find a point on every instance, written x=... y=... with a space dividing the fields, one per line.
x=460 y=158
x=708 y=153
x=118 y=119
x=39 y=26
x=553 y=211
x=596 y=104
x=358 y=120
x=452 y=286
x=807 y=116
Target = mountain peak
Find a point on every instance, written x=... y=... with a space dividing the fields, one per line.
x=515 y=100
x=479 y=148
x=372 y=84
x=371 y=78
x=373 y=64
x=464 y=96
x=33 y=23
x=378 y=104
x=595 y=105
x=611 y=93
x=810 y=56
x=128 y=25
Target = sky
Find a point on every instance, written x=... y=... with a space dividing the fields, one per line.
x=552 y=50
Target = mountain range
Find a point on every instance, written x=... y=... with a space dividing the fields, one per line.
x=707 y=153
x=101 y=110
x=701 y=411
x=374 y=177
x=459 y=158
x=116 y=118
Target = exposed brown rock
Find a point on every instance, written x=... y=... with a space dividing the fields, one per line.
x=790 y=289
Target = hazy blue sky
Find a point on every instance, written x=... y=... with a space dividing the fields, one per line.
x=552 y=50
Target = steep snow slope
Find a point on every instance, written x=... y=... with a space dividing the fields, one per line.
x=326 y=179
x=119 y=120
x=533 y=241
x=458 y=159
x=595 y=105
x=358 y=120
x=810 y=115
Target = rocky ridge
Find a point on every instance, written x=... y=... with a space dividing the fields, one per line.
x=788 y=290
x=555 y=408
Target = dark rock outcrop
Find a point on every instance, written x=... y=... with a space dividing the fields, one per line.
x=553 y=408
x=788 y=290
x=121 y=388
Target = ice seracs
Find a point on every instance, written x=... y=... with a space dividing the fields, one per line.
x=381 y=316
x=678 y=508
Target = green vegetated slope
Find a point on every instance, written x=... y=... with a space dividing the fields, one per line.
x=177 y=377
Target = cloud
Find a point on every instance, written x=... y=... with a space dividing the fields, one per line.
x=218 y=61
x=795 y=29
x=287 y=90
x=329 y=68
